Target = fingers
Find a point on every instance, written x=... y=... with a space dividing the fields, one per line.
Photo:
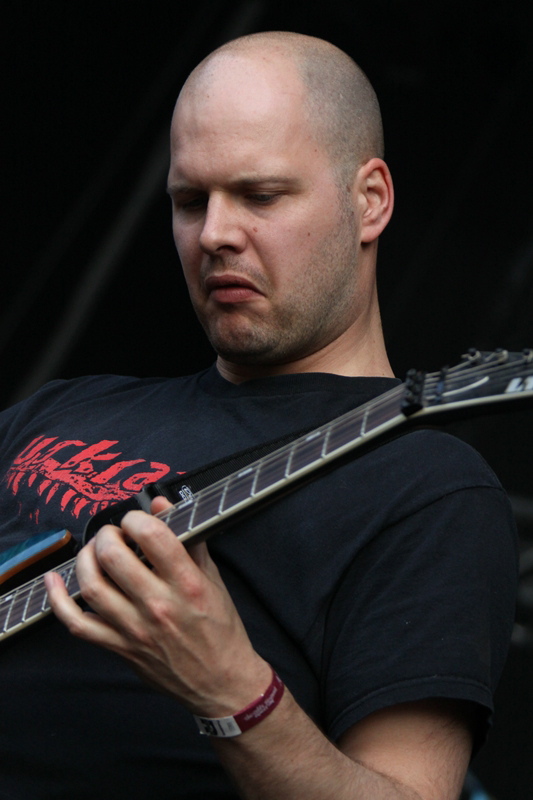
x=119 y=587
x=173 y=619
x=85 y=625
x=162 y=549
x=171 y=560
x=160 y=504
x=109 y=573
x=198 y=552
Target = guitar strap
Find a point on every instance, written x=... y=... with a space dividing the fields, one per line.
x=185 y=486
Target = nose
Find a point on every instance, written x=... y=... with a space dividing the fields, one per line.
x=223 y=226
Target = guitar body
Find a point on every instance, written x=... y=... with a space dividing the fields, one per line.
x=40 y=553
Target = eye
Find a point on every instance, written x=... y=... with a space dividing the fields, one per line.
x=189 y=202
x=200 y=201
x=262 y=198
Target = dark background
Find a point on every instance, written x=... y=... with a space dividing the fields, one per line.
x=90 y=280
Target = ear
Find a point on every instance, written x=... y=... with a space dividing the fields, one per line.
x=375 y=198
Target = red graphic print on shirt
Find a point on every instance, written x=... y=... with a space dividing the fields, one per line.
x=78 y=475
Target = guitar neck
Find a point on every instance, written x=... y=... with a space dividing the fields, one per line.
x=479 y=382
x=242 y=491
x=28 y=603
x=246 y=490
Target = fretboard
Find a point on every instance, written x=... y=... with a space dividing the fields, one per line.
x=480 y=380
x=291 y=464
x=28 y=603
x=239 y=492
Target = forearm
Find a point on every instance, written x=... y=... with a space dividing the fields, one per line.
x=178 y=625
x=286 y=756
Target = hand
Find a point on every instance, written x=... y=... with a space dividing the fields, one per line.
x=175 y=621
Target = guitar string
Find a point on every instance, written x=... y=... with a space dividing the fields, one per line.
x=456 y=375
x=269 y=463
x=23 y=597
x=341 y=424
x=22 y=594
x=347 y=421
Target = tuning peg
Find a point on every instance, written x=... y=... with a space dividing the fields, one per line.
x=414 y=389
x=472 y=356
x=502 y=355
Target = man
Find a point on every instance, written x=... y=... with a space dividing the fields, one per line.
x=382 y=596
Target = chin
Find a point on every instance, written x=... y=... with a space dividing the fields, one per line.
x=259 y=345
x=245 y=357
x=243 y=347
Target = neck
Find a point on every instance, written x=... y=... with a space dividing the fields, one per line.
x=351 y=354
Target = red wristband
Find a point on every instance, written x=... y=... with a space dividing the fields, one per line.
x=248 y=717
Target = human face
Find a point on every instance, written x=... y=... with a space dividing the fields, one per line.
x=267 y=237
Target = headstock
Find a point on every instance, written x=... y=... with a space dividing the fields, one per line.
x=480 y=378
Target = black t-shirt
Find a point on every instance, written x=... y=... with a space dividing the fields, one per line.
x=392 y=578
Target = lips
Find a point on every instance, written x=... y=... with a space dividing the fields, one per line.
x=231 y=288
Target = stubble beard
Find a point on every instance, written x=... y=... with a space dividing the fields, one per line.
x=320 y=307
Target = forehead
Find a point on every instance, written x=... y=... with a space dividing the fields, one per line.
x=239 y=106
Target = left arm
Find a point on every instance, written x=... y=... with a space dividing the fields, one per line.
x=413 y=751
x=178 y=626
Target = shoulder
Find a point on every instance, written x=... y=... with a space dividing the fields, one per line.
x=61 y=395
x=429 y=480
x=435 y=458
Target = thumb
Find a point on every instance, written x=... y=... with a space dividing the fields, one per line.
x=158 y=504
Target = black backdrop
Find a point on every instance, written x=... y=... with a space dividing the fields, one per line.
x=90 y=279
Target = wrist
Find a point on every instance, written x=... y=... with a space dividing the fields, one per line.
x=248 y=717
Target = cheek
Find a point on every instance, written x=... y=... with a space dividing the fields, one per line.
x=179 y=234
x=296 y=248
x=190 y=264
x=311 y=226
x=186 y=243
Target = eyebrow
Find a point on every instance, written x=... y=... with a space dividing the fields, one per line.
x=175 y=189
x=244 y=182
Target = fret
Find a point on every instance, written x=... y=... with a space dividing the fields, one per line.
x=27 y=603
x=480 y=379
x=207 y=505
x=179 y=518
x=35 y=601
x=14 y=617
x=343 y=431
x=271 y=470
x=6 y=604
x=325 y=446
x=381 y=414
x=306 y=451
x=239 y=488
x=68 y=573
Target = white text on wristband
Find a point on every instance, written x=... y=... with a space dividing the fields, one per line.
x=248 y=717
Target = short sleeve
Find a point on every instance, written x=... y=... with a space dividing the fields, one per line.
x=425 y=610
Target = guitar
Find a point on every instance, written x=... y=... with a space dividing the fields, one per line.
x=480 y=382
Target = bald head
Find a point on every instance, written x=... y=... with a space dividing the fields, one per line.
x=339 y=102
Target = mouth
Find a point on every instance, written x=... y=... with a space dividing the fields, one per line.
x=231 y=289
